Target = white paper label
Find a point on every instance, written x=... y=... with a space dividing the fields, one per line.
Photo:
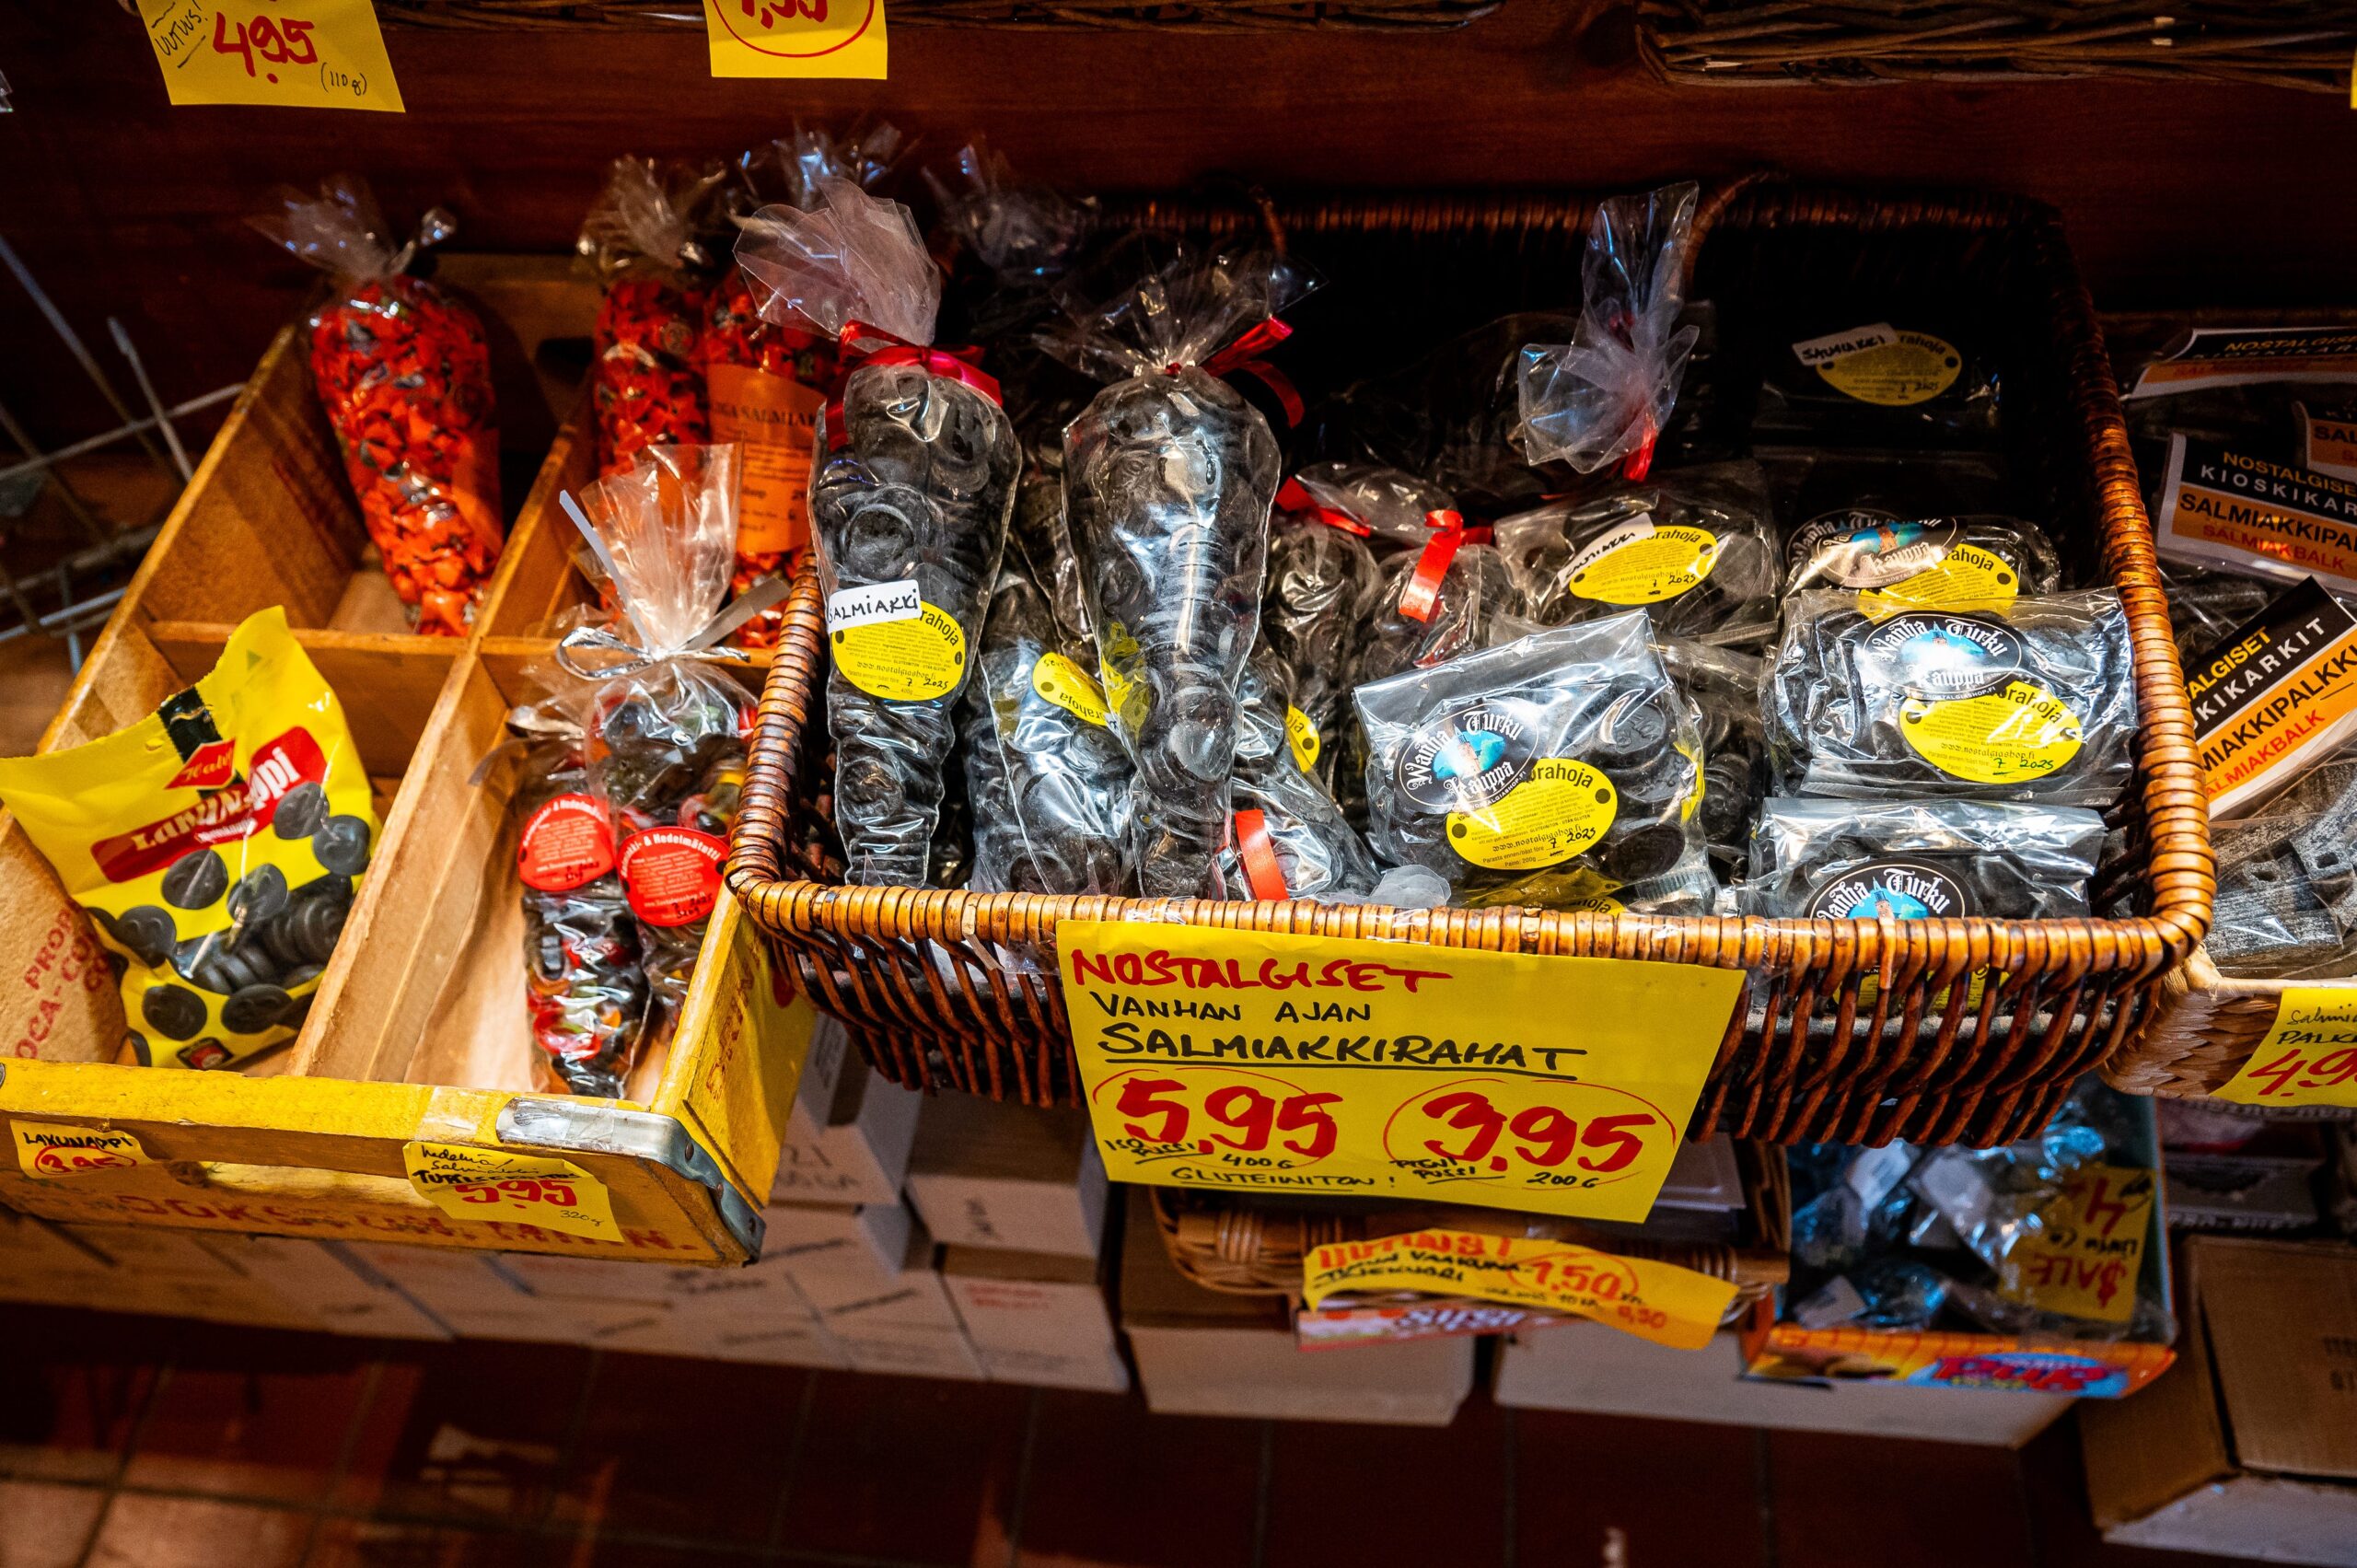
x=1842 y=345
x=873 y=605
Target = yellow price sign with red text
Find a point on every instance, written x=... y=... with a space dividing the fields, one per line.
x=52 y=1151
x=2086 y=1255
x=1257 y=1062
x=284 y=53
x=1661 y=1301
x=2308 y=1058
x=806 y=38
x=470 y=1183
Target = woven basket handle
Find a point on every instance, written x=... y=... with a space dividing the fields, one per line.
x=757 y=844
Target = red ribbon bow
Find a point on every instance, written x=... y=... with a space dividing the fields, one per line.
x=1261 y=872
x=1420 y=597
x=859 y=345
x=1244 y=355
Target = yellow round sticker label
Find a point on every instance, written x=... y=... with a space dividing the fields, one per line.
x=1069 y=687
x=2022 y=733
x=1124 y=699
x=1639 y=563
x=1915 y=368
x=1965 y=578
x=1302 y=735
x=1563 y=809
x=916 y=660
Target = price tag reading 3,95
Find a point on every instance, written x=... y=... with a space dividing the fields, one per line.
x=1253 y=1062
x=2308 y=1058
x=482 y=1185
x=286 y=53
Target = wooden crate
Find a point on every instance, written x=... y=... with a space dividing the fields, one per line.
x=419 y=1029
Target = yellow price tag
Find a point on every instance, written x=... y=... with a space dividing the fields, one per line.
x=2308 y=1058
x=2084 y=1258
x=1257 y=1062
x=53 y=1151
x=481 y=1185
x=1654 y=1301
x=286 y=53
x=795 y=38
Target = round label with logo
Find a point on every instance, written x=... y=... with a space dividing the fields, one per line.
x=1561 y=810
x=672 y=875
x=1069 y=687
x=567 y=843
x=1640 y=564
x=1465 y=761
x=919 y=658
x=1868 y=550
x=1914 y=369
x=1830 y=529
x=2015 y=735
x=1937 y=656
x=1889 y=889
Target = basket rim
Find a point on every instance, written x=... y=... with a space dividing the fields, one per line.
x=2179 y=866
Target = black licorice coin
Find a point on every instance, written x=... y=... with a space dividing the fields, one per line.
x=149 y=932
x=341 y=844
x=196 y=880
x=259 y=895
x=300 y=811
x=140 y=1052
x=254 y=1009
x=173 y=1012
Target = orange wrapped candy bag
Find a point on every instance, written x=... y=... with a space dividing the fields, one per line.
x=640 y=237
x=405 y=375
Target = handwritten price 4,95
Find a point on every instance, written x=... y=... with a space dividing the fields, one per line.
x=285 y=41
x=2327 y=1071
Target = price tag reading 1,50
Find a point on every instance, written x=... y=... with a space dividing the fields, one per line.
x=1263 y=1063
x=2309 y=1057
x=288 y=53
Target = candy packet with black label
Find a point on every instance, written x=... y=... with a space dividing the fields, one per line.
x=1290 y=840
x=1570 y=750
x=1047 y=779
x=217 y=844
x=2035 y=701
x=2287 y=882
x=1169 y=474
x=909 y=509
x=1695 y=549
x=1922 y=860
x=1855 y=376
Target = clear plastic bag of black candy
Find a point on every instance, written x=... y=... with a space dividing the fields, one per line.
x=1807 y=483
x=1318 y=854
x=1417 y=620
x=1322 y=585
x=2287 y=896
x=1605 y=397
x=1169 y=474
x=2034 y=702
x=2204 y=606
x=1929 y=561
x=1390 y=507
x=1723 y=685
x=1694 y=548
x=1922 y=860
x=1038 y=548
x=1568 y=749
x=908 y=511
x=1848 y=370
x=586 y=991
x=1047 y=781
x=1687 y=889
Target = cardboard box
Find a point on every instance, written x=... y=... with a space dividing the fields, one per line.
x=912 y=1352
x=1028 y=1303
x=1100 y=1370
x=448 y=1282
x=778 y=1344
x=2248 y=1445
x=848 y=1139
x=1589 y=1367
x=987 y=1174
x=1202 y=1352
x=2269 y=1183
x=907 y=1298
x=759 y=1289
x=812 y=1242
x=333 y=1290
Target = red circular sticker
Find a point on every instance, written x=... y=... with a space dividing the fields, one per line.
x=673 y=873
x=567 y=843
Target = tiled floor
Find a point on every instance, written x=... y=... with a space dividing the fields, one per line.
x=135 y=1442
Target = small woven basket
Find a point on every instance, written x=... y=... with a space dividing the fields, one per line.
x=1745 y=43
x=1197 y=15
x=1851 y=1032
x=1245 y=1245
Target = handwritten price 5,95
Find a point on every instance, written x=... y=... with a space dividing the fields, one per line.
x=519 y=1190
x=1244 y=1119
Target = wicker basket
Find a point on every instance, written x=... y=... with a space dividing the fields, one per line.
x=1197 y=15
x=1244 y=1246
x=2284 y=44
x=924 y=982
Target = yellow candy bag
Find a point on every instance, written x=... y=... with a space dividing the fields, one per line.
x=216 y=844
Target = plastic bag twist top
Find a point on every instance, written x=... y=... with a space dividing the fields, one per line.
x=852 y=257
x=791 y=168
x=1174 y=306
x=342 y=232
x=1607 y=393
x=1018 y=231
x=665 y=531
x=646 y=218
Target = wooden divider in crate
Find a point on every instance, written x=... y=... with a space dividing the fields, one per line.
x=418 y=1031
